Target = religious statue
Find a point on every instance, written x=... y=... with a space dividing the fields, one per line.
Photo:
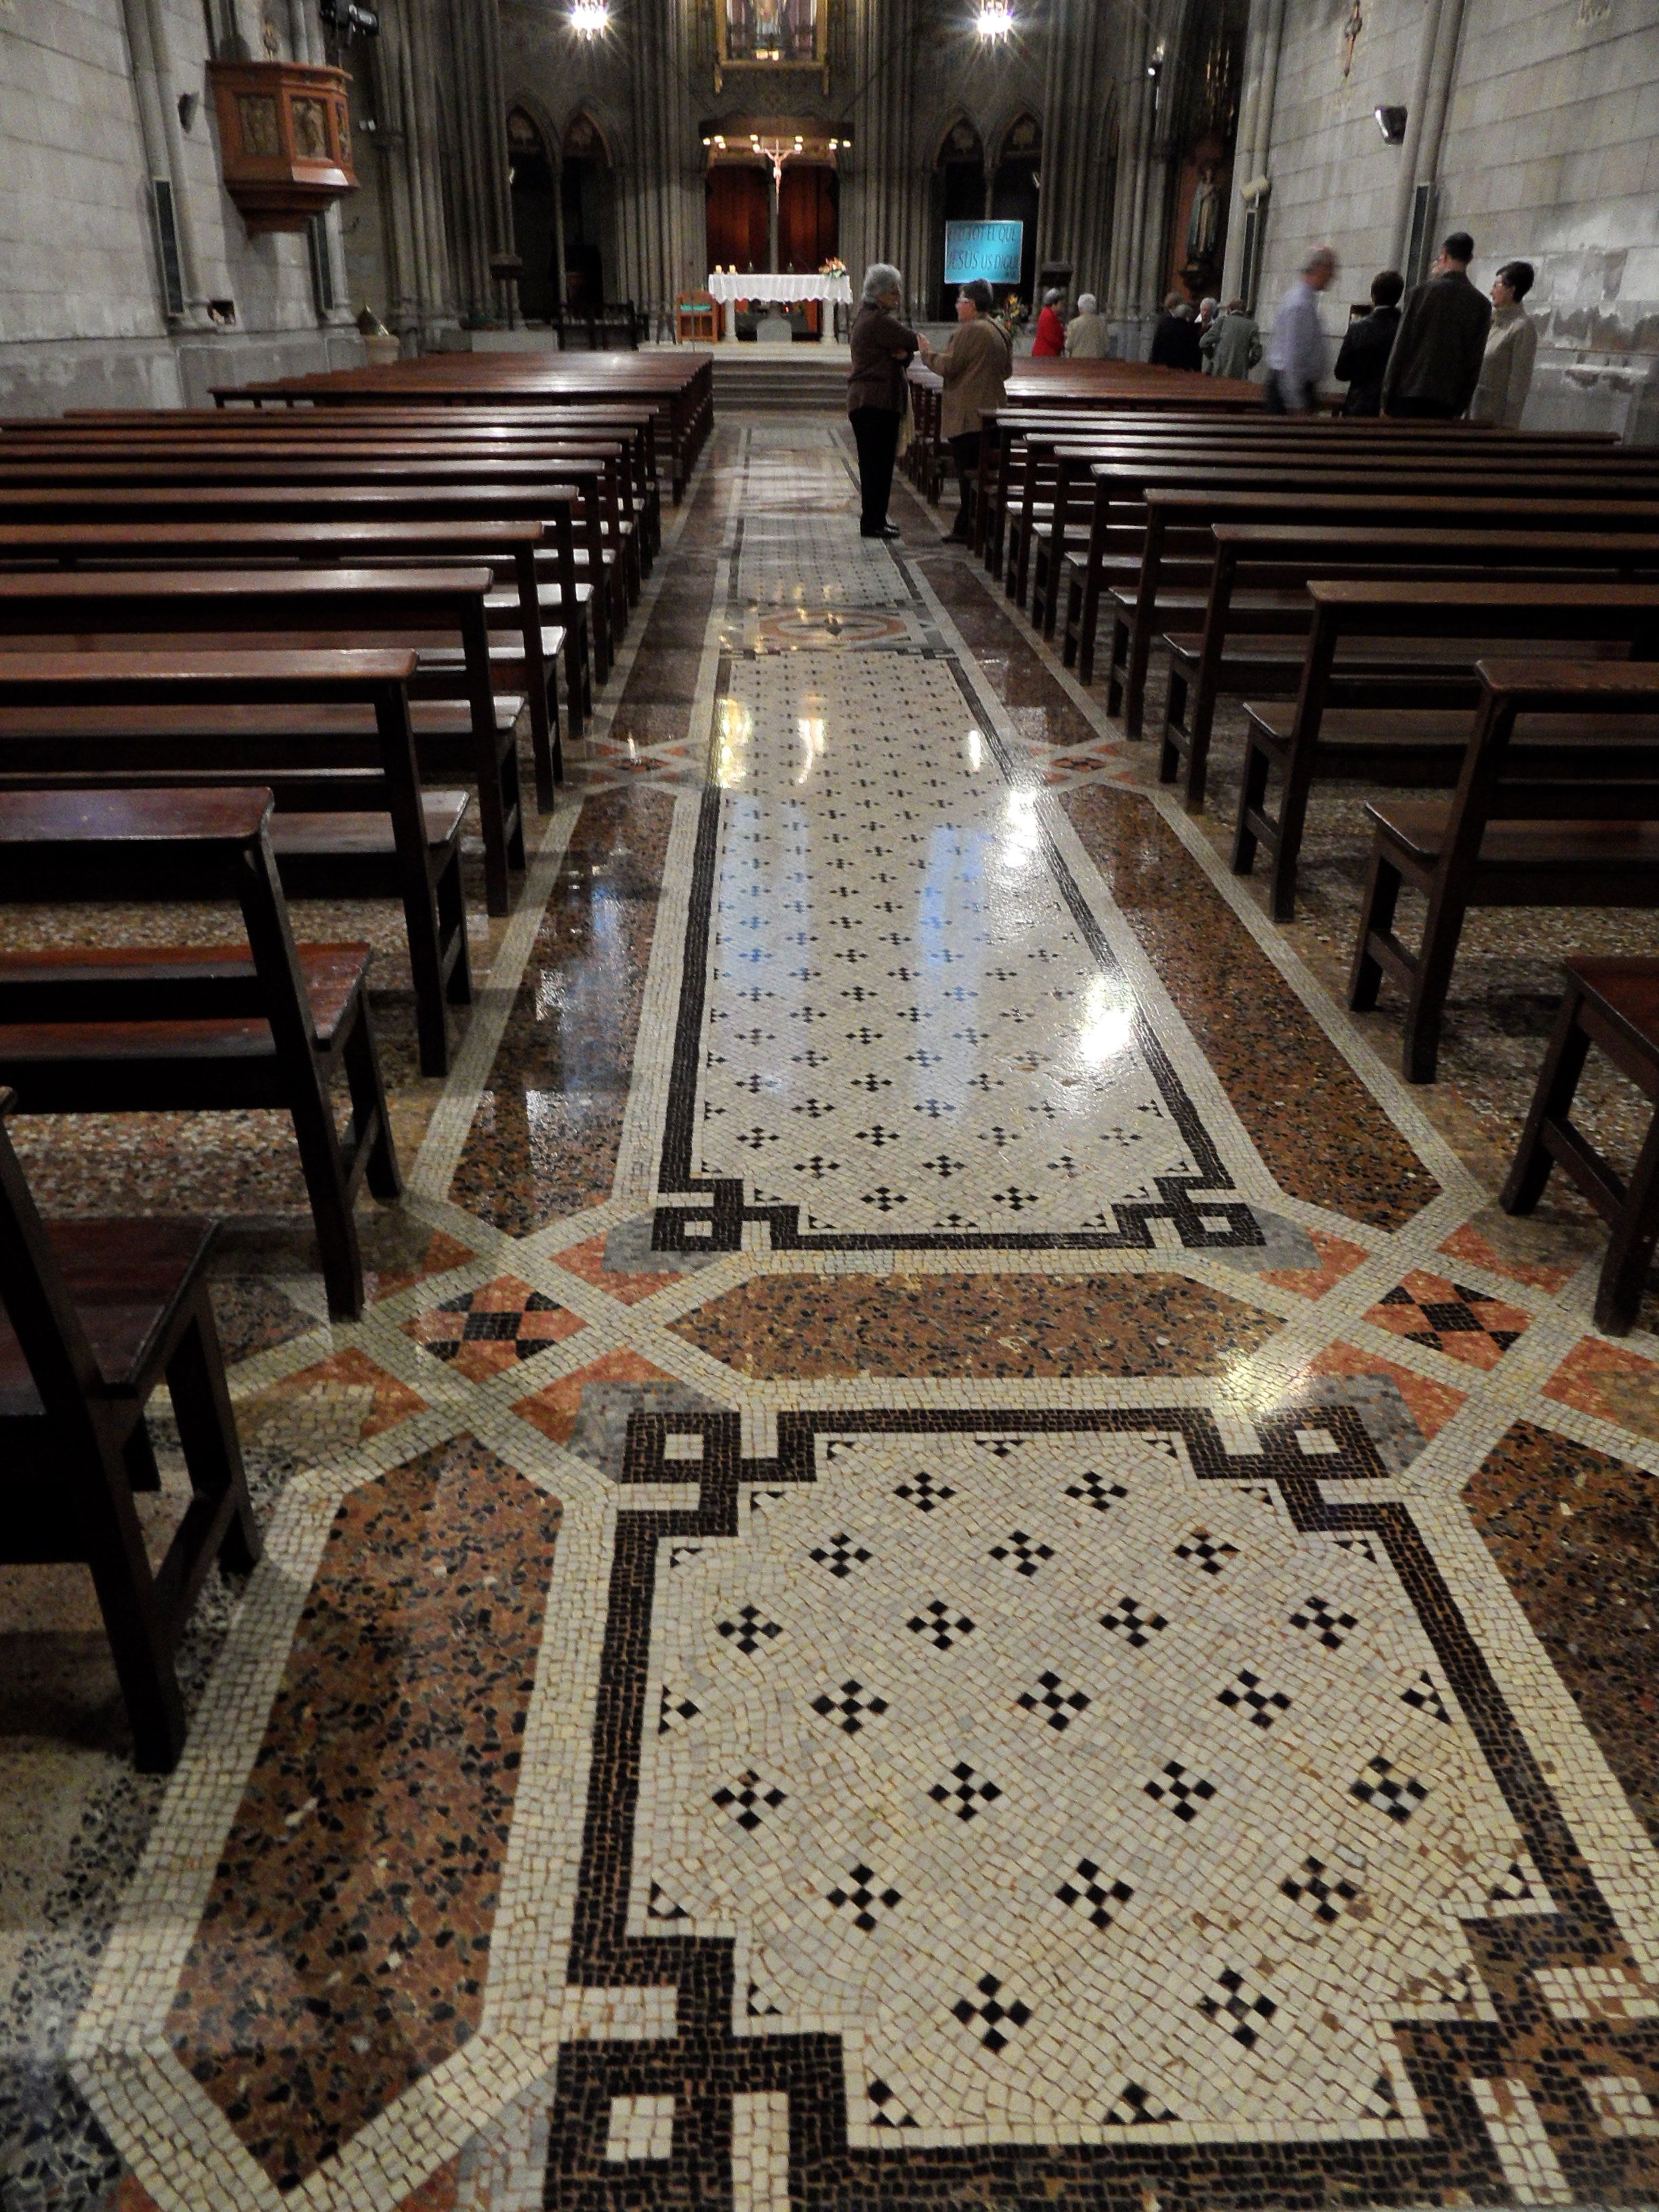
x=1204 y=222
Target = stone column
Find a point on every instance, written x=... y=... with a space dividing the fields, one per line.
x=1074 y=216
x=884 y=181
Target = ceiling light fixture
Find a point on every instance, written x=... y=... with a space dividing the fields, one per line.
x=590 y=18
x=996 y=19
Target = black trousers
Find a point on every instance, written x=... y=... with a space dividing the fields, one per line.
x=1280 y=397
x=876 y=429
x=964 y=451
x=1421 y=411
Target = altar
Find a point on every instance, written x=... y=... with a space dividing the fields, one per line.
x=833 y=291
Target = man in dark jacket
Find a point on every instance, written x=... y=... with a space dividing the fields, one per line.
x=1176 y=341
x=1441 y=342
x=1366 y=349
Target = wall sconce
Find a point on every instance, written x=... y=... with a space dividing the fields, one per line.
x=996 y=19
x=1155 y=67
x=1391 y=122
x=590 y=18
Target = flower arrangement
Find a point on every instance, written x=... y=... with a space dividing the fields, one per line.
x=833 y=267
x=1009 y=316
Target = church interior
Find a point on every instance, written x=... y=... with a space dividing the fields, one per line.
x=829 y=1105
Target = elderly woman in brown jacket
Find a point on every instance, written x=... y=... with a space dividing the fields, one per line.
x=881 y=350
x=974 y=366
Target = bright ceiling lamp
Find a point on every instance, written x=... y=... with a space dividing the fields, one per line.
x=996 y=19
x=590 y=18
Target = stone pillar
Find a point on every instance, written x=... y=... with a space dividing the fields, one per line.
x=659 y=177
x=884 y=181
x=1074 y=216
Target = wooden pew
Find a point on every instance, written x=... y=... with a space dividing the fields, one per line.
x=1051 y=493
x=1041 y=456
x=1123 y=492
x=1577 y=837
x=328 y=732
x=592 y=478
x=96 y=1315
x=102 y=506
x=510 y=548
x=257 y=608
x=634 y=430
x=185 y=1028
x=1382 y=744
x=1066 y=528
x=681 y=391
x=1258 y=591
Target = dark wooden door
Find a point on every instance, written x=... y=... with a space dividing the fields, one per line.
x=808 y=216
x=739 y=208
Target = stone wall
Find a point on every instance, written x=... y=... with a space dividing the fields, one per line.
x=1548 y=152
x=88 y=111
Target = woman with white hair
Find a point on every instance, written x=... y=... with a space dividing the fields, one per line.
x=1086 y=334
x=882 y=351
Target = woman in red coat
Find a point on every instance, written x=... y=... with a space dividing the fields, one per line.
x=1050 y=330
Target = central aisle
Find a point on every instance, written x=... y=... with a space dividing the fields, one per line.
x=944 y=1585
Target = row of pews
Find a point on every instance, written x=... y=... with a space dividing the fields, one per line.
x=284 y=646
x=1464 y=613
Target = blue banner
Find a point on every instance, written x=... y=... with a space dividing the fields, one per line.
x=990 y=250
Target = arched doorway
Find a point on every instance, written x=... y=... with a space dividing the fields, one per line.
x=1014 y=191
x=535 y=216
x=809 y=216
x=585 y=212
x=959 y=192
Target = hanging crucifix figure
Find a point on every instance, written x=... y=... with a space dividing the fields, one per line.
x=1350 y=30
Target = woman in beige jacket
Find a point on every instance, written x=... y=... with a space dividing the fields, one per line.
x=974 y=366
x=1512 y=349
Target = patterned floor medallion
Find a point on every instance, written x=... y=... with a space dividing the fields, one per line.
x=964 y=1572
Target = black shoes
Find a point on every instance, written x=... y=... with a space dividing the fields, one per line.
x=886 y=530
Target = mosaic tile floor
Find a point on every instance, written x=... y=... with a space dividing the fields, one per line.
x=957 y=1563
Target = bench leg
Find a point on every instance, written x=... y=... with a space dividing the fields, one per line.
x=323 y=1165
x=1287 y=845
x=1073 y=611
x=1252 y=800
x=371 y=1124
x=423 y=926
x=1419 y=1052
x=1552 y=1103
x=213 y=1455
x=452 y=948
x=1630 y=1250
x=114 y=1545
x=1376 y=920
x=1115 y=674
x=1175 y=708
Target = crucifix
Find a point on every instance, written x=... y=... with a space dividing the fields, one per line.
x=1350 y=30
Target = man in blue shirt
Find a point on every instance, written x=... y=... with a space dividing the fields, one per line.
x=1295 y=351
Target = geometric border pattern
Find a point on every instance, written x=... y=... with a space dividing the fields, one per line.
x=1525 y=1962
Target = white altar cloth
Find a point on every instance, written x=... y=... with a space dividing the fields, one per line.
x=835 y=289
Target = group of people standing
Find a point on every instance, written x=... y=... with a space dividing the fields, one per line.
x=1449 y=351
x=974 y=368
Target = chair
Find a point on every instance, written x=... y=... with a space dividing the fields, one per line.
x=160 y=1029
x=698 y=318
x=100 y=1312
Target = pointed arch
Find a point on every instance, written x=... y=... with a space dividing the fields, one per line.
x=960 y=140
x=584 y=139
x=1022 y=141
